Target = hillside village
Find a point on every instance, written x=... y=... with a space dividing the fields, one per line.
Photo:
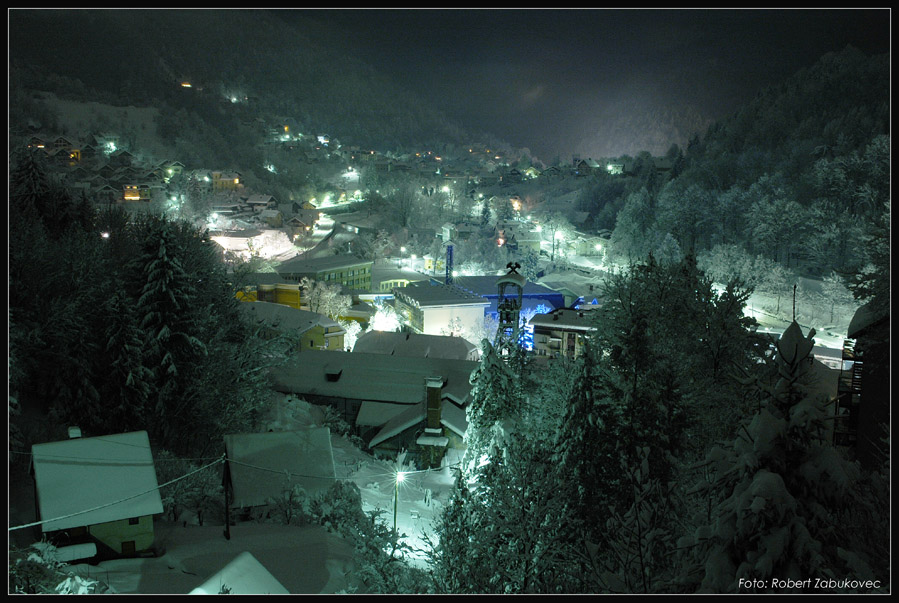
x=383 y=301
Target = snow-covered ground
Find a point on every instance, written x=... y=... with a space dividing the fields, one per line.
x=305 y=560
x=419 y=497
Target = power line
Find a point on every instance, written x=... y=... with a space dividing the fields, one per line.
x=220 y=459
x=177 y=479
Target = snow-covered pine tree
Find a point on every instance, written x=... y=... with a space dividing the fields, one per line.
x=169 y=321
x=637 y=556
x=502 y=530
x=485 y=213
x=127 y=385
x=587 y=458
x=781 y=493
x=495 y=396
x=456 y=556
x=29 y=188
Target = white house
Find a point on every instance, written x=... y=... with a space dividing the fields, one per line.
x=434 y=308
x=99 y=490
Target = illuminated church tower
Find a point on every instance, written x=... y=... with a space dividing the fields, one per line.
x=511 y=288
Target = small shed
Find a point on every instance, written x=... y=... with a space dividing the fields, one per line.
x=261 y=465
x=99 y=489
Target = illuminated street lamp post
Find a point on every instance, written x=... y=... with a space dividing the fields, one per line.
x=557 y=237
x=400 y=476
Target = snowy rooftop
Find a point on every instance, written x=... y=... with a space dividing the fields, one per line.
x=285 y=317
x=85 y=473
x=438 y=294
x=487 y=285
x=243 y=576
x=416 y=345
x=374 y=377
x=262 y=464
x=564 y=318
x=332 y=262
x=451 y=416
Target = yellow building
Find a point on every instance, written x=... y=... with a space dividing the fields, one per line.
x=315 y=331
x=347 y=270
x=270 y=287
x=226 y=181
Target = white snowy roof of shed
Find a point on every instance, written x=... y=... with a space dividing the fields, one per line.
x=243 y=576
x=263 y=464
x=78 y=474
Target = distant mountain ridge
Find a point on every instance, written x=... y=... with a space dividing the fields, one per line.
x=140 y=57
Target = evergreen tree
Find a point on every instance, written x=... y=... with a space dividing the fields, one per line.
x=485 y=213
x=587 y=462
x=495 y=397
x=127 y=384
x=167 y=315
x=781 y=494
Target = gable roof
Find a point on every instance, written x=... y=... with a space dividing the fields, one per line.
x=244 y=575
x=373 y=377
x=434 y=293
x=415 y=345
x=451 y=416
x=285 y=318
x=86 y=473
x=262 y=464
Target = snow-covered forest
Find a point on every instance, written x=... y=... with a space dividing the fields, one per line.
x=683 y=452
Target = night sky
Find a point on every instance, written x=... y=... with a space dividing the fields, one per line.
x=597 y=83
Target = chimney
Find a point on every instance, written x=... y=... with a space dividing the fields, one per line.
x=74 y=432
x=434 y=387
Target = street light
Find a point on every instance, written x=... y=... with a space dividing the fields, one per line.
x=400 y=476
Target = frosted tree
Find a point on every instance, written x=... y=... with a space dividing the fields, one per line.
x=632 y=236
x=325 y=298
x=495 y=396
x=502 y=531
x=385 y=319
x=781 y=495
x=835 y=293
x=352 y=328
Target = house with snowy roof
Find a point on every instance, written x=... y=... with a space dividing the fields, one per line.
x=562 y=332
x=258 y=202
x=429 y=307
x=99 y=491
x=385 y=397
x=272 y=217
x=315 y=331
x=261 y=466
x=416 y=345
x=347 y=270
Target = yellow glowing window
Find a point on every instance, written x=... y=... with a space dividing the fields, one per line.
x=237 y=181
